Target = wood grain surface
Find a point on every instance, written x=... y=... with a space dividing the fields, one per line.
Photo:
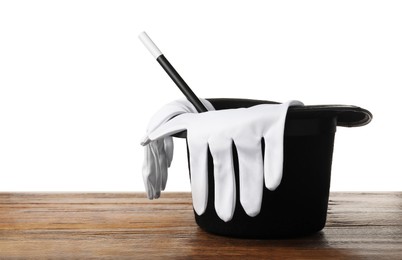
x=129 y=226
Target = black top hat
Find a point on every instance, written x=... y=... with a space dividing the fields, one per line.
x=299 y=205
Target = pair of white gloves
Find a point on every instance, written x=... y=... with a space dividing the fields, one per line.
x=218 y=130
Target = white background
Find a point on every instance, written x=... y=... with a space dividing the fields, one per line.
x=77 y=87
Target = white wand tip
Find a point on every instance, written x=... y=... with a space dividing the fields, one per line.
x=153 y=49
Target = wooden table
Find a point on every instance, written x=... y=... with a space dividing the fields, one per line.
x=127 y=225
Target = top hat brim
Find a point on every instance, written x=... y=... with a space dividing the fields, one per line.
x=348 y=116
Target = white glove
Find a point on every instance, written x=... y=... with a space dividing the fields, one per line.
x=218 y=130
x=159 y=153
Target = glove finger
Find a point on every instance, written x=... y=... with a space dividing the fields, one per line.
x=198 y=153
x=148 y=171
x=251 y=174
x=157 y=180
x=273 y=158
x=162 y=160
x=225 y=189
x=169 y=147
